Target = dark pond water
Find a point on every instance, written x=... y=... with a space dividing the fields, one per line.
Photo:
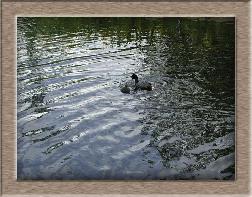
x=73 y=122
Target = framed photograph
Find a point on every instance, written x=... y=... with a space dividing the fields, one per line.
x=140 y=98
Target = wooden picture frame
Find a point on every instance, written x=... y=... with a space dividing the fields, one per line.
x=11 y=9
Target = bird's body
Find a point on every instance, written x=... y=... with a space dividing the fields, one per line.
x=141 y=85
x=125 y=89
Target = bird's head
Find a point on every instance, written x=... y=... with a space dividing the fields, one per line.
x=135 y=77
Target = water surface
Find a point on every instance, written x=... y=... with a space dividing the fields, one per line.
x=73 y=122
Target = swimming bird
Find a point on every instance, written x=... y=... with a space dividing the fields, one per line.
x=125 y=89
x=142 y=85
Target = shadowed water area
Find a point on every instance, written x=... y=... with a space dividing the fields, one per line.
x=73 y=122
